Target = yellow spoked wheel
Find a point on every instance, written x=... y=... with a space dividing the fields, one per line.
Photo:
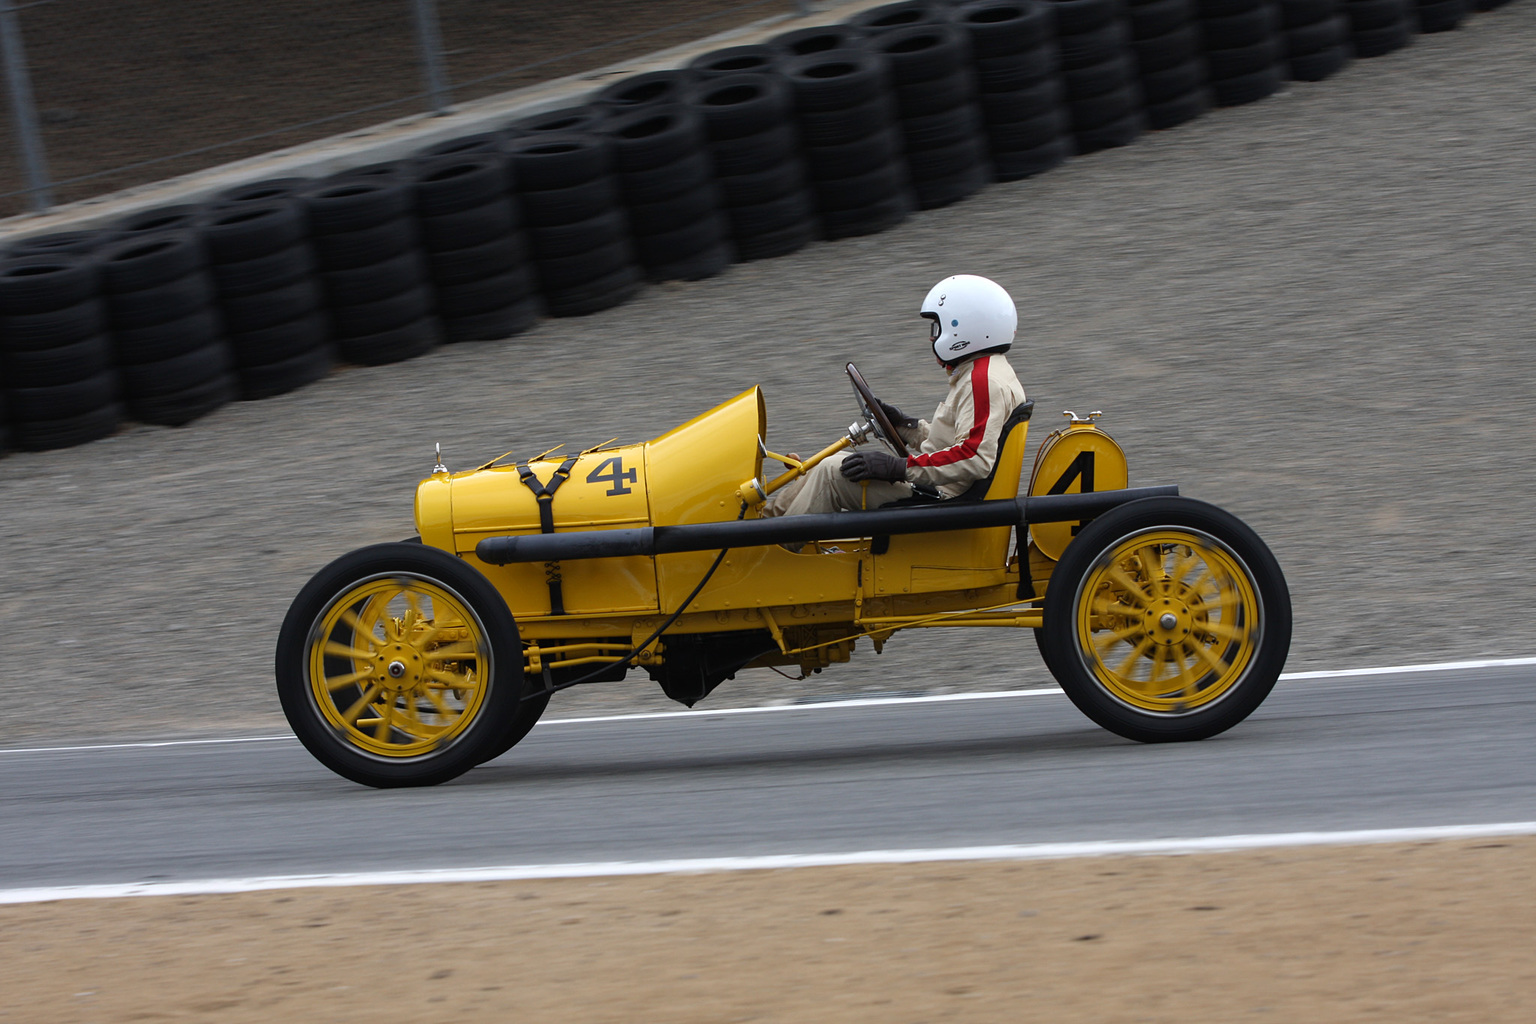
x=1167 y=619
x=398 y=665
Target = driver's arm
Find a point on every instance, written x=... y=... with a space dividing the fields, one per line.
x=975 y=422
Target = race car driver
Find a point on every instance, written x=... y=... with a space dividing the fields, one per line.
x=973 y=321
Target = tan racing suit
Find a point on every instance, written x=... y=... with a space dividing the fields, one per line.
x=952 y=451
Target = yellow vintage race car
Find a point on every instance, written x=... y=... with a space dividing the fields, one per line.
x=1163 y=618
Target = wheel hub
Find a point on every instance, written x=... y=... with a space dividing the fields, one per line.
x=1167 y=621
x=400 y=666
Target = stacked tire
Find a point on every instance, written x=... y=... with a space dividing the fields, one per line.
x=472 y=240
x=576 y=225
x=649 y=89
x=172 y=356
x=905 y=14
x=1316 y=38
x=942 y=130
x=1099 y=72
x=269 y=294
x=755 y=156
x=1244 y=50
x=1165 y=37
x=1017 y=72
x=1378 y=27
x=851 y=141
x=64 y=242
x=57 y=384
x=757 y=58
x=1440 y=15
x=363 y=228
x=802 y=42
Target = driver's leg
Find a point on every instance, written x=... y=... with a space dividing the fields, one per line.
x=825 y=489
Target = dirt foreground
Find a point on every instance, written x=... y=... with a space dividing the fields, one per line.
x=1402 y=932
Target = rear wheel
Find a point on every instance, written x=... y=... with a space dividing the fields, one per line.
x=399 y=665
x=1167 y=619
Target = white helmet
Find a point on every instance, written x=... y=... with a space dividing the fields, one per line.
x=970 y=314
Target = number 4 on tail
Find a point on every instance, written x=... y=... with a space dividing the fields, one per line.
x=1081 y=468
x=612 y=471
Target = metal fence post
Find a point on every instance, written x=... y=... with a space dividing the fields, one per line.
x=23 y=109
x=430 y=40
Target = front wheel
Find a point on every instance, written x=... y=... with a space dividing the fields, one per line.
x=1167 y=619
x=399 y=665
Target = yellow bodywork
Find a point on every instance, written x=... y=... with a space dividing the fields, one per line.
x=814 y=603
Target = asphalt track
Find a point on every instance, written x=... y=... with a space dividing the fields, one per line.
x=1332 y=753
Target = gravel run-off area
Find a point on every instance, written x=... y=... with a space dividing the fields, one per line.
x=1315 y=311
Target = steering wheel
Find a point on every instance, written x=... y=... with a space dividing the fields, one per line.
x=870 y=406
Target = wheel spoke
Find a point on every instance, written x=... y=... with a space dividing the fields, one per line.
x=1137 y=653
x=350 y=715
x=381 y=731
x=1152 y=565
x=438 y=702
x=1222 y=631
x=450 y=679
x=1133 y=589
x=456 y=651
x=334 y=683
x=343 y=651
x=1110 y=637
x=1203 y=653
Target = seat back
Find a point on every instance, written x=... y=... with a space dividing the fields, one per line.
x=1008 y=467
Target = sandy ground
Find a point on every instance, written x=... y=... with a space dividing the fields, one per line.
x=1315 y=311
x=1408 y=932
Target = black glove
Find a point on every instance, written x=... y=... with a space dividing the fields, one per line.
x=874 y=465
x=898 y=418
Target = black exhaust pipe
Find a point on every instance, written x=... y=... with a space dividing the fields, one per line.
x=745 y=533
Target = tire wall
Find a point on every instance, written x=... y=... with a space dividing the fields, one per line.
x=746 y=153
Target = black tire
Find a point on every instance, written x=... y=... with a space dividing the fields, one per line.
x=1440 y=17
x=943 y=129
x=939 y=192
x=1226 y=8
x=568 y=272
x=270 y=379
x=1161 y=718
x=1327 y=34
x=1158 y=18
x=890 y=17
x=1001 y=27
x=458 y=182
x=1176 y=81
x=369 y=318
x=1096 y=111
x=1295 y=13
x=499 y=649
x=680 y=244
x=267 y=309
x=464 y=145
x=782 y=214
x=834 y=79
x=1244 y=60
x=475 y=226
x=167 y=340
x=852 y=193
x=182 y=407
x=528 y=713
x=67 y=431
x=62 y=364
x=1174 y=112
x=855 y=158
x=180 y=217
x=780 y=241
x=248 y=230
x=1095 y=46
x=390 y=172
x=754 y=152
x=1037 y=131
x=838 y=127
x=1098 y=79
x=803 y=42
x=566 y=121
x=1074 y=17
x=558 y=161
x=645 y=89
x=35 y=331
x=1378 y=42
x=761 y=186
x=1237 y=30
x=1026 y=163
x=460 y=265
x=922 y=53
x=348 y=204
x=392 y=346
x=1374 y=14
x=170 y=301
x=144 y=262
x=947 y=162
x=497 y=324
x=868 y=220
x=63 y=242
x=595 y=296
x=485 y=295
x=696 y=266
x=1314 y=67
x=1233 y=92
x=653 y=137
x=568 y=205
x=1166 y=51
x=282 y=342
x=585 y=235
x=61 y=401
x=936 y=95
x=378 y=280
x=1001 y=108
x=737 y=105
x=692 y=173
x=262 y=191
x=170 y=376
x=264 y=273
x=349 y=250
x=1120 y=132
x=754 y=58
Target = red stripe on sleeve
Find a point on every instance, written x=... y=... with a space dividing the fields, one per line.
x=981 y=401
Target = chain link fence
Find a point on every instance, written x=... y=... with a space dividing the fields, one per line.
x=108 y=94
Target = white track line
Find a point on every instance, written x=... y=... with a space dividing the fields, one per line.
x=528 y=872
x=852 y=702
